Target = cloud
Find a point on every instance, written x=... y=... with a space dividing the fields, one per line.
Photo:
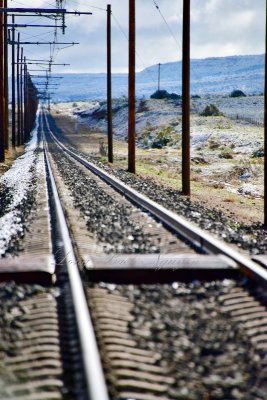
x=218 y=28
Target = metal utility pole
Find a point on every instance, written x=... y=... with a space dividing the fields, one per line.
x=186 y=100
x=131 y=89
x=25 y=98
x=6 y=79
x=265 y=129
x=109 y=87
x=159 y=77
x=18 y=93
x=21 y=97
x=2 y=103
x=13 y=97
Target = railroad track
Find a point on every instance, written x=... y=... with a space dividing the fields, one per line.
x=147 y=309
x=198 y=238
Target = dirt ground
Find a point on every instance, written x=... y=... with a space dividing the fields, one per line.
x=164 y=166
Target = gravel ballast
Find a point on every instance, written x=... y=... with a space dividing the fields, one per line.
x=200 y=349
x=251 y=238
x=108 y=219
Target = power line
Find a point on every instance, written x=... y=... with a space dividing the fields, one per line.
x=137 y=54
x=120 y=27
x=168 y=26
x=88 y=5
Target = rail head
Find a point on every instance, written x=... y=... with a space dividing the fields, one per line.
x=202 y=240
x=94 y=374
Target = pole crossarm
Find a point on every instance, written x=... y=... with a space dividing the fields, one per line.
x=35 y=60
x=46 y=84
x=32 y=10
x=33 y=26
x=41 y=63
x=46 y=43
x=46 y=77
x=38 y=70
x=42 y=11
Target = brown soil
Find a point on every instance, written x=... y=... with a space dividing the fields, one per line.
x=164 y=165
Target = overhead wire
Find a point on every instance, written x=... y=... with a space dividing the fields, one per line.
x=166 y=23
x=43 y=34
x=136 y=52
x=86 y=4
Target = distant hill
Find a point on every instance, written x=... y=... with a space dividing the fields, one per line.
x=218 y=75
x=208 y=76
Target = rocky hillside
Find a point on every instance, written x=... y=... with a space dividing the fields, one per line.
x=218 y=75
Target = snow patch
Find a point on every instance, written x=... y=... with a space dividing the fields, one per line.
x=18 y=179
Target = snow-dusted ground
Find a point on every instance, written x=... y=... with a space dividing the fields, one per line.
x=211 y=137
x=157 y=113
x=249 y=106
x=17 y=182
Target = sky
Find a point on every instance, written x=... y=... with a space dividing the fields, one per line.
x=218 y=28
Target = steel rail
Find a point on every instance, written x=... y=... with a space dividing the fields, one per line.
x=199 y=238
x=94 y=375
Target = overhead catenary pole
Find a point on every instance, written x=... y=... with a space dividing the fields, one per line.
x=186 y=100
x=109 y=86
x=18 y=94
x=6 y=79
x=25 y=99
x=13 y=97
x=131 y=89
x=2 y=104
x=21 y=97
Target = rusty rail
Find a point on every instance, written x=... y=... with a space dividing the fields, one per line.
x=92 y=365
x=200 y=239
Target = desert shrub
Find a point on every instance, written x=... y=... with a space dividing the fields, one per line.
x=142 y=107
x=211 y=110
x=144 y=137
x=102 y=148
x=213 y=144
x=74 y=105
x=258 y=153
x=163 y=94
x=161 y=138
x=227 y=153
x=195 y=96
x=237 y=93
x=199 y=160
x=158 y=138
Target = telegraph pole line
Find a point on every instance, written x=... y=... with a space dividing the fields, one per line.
x=186 y=100
x=159 y=77
x=2 y=104
x=109 y=86
x=131 y=89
